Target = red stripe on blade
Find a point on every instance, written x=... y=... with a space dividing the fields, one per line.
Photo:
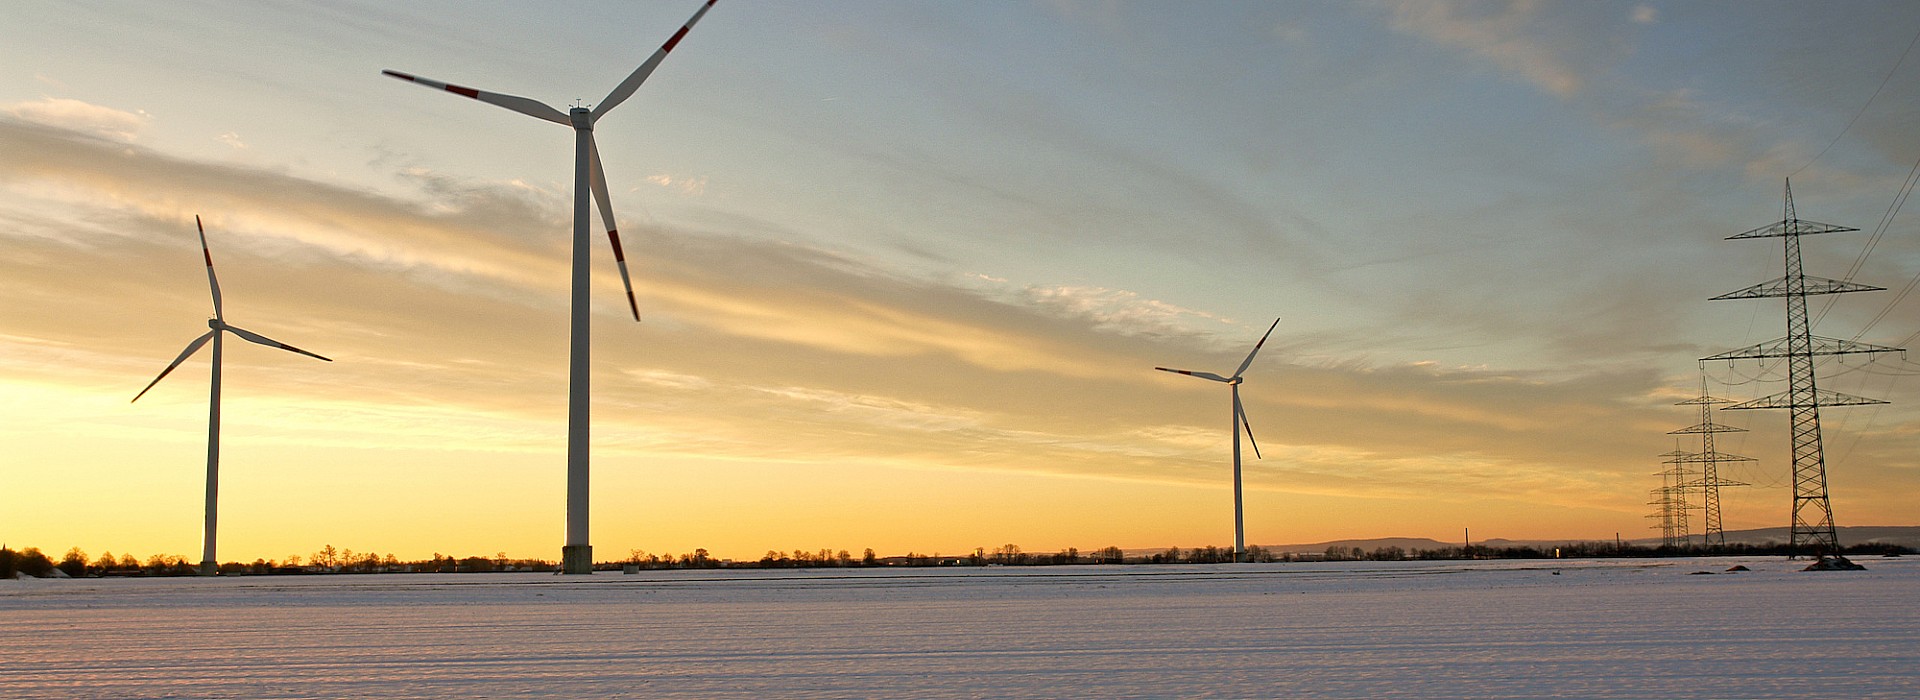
x=675 y=40
x=466 y=91
x=618 y=254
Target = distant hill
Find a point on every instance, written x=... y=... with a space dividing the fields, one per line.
x=1903 y=535
x=1406 y=543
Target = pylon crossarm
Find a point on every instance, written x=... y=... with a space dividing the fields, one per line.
x=1791 y=227
x=1821 y=397
x=1818 y=345
x=1700 y=483
x=1809 y=286
x=1700 y=457
x=1707 y=428
x=1704 y=400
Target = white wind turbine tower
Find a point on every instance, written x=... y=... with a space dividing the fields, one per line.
x=209 y=565
x=577 y=555
x=1239 y=420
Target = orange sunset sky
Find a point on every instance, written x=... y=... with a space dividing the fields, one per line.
x=906 y=269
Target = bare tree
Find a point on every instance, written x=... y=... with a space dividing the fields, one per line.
x=74 y=563
x=326 y=557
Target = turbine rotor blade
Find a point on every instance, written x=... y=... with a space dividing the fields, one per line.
x=191 y=348
x=1202 y=375
x=626 y=87
x=212 y=282
x=1241 y=413
x=599 y=179
x=531 y=108
x=1256 y=349
x=269 y=342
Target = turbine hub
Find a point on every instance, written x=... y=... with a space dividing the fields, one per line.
x=215 y=324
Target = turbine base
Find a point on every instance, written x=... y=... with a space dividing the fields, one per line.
x=576 y=559
x=209 y=568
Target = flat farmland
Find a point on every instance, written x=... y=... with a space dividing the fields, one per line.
x=1585 y=629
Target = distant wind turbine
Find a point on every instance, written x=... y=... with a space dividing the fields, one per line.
x=577 y=555
x=209 y=565
x=1239 y=420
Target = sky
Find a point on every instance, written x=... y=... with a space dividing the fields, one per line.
x=906 y=269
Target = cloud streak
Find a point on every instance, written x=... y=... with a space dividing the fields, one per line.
x=1501 y=33
x=748 y=340
x=62 y=113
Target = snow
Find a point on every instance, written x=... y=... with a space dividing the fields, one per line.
x=1583 y=629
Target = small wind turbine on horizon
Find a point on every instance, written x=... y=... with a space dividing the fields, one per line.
x=577 y=554
x=1239 y=420
x=209 y=565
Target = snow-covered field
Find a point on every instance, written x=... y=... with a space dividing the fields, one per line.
x=1594 y=629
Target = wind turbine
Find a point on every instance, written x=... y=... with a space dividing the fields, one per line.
x=218 y=325
x=1239 y=420
x=577 y=555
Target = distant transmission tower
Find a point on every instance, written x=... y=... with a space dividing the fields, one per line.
x=1664 y=512
x=1709 y=460
x=1812 y=528
x=1670 y=500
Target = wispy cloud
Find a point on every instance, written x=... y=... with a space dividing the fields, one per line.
x=384 y=277
x=686 y=185
x=1502 y=33
x=63 y=113
x=1119 y=310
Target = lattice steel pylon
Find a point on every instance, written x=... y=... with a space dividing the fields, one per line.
x=1709 y=459
x=1670 y=500
x=1658 y=498
x=1812 y=527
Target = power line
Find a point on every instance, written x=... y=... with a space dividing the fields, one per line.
x=1886 y=221
x=1899 y=199
x=1863 y=108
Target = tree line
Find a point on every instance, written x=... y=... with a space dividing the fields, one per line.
x=329 y=560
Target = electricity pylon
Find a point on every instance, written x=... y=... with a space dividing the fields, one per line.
x=1709 y=460
x=1657 y=499
x=1812 y=527
x=1670 y=500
